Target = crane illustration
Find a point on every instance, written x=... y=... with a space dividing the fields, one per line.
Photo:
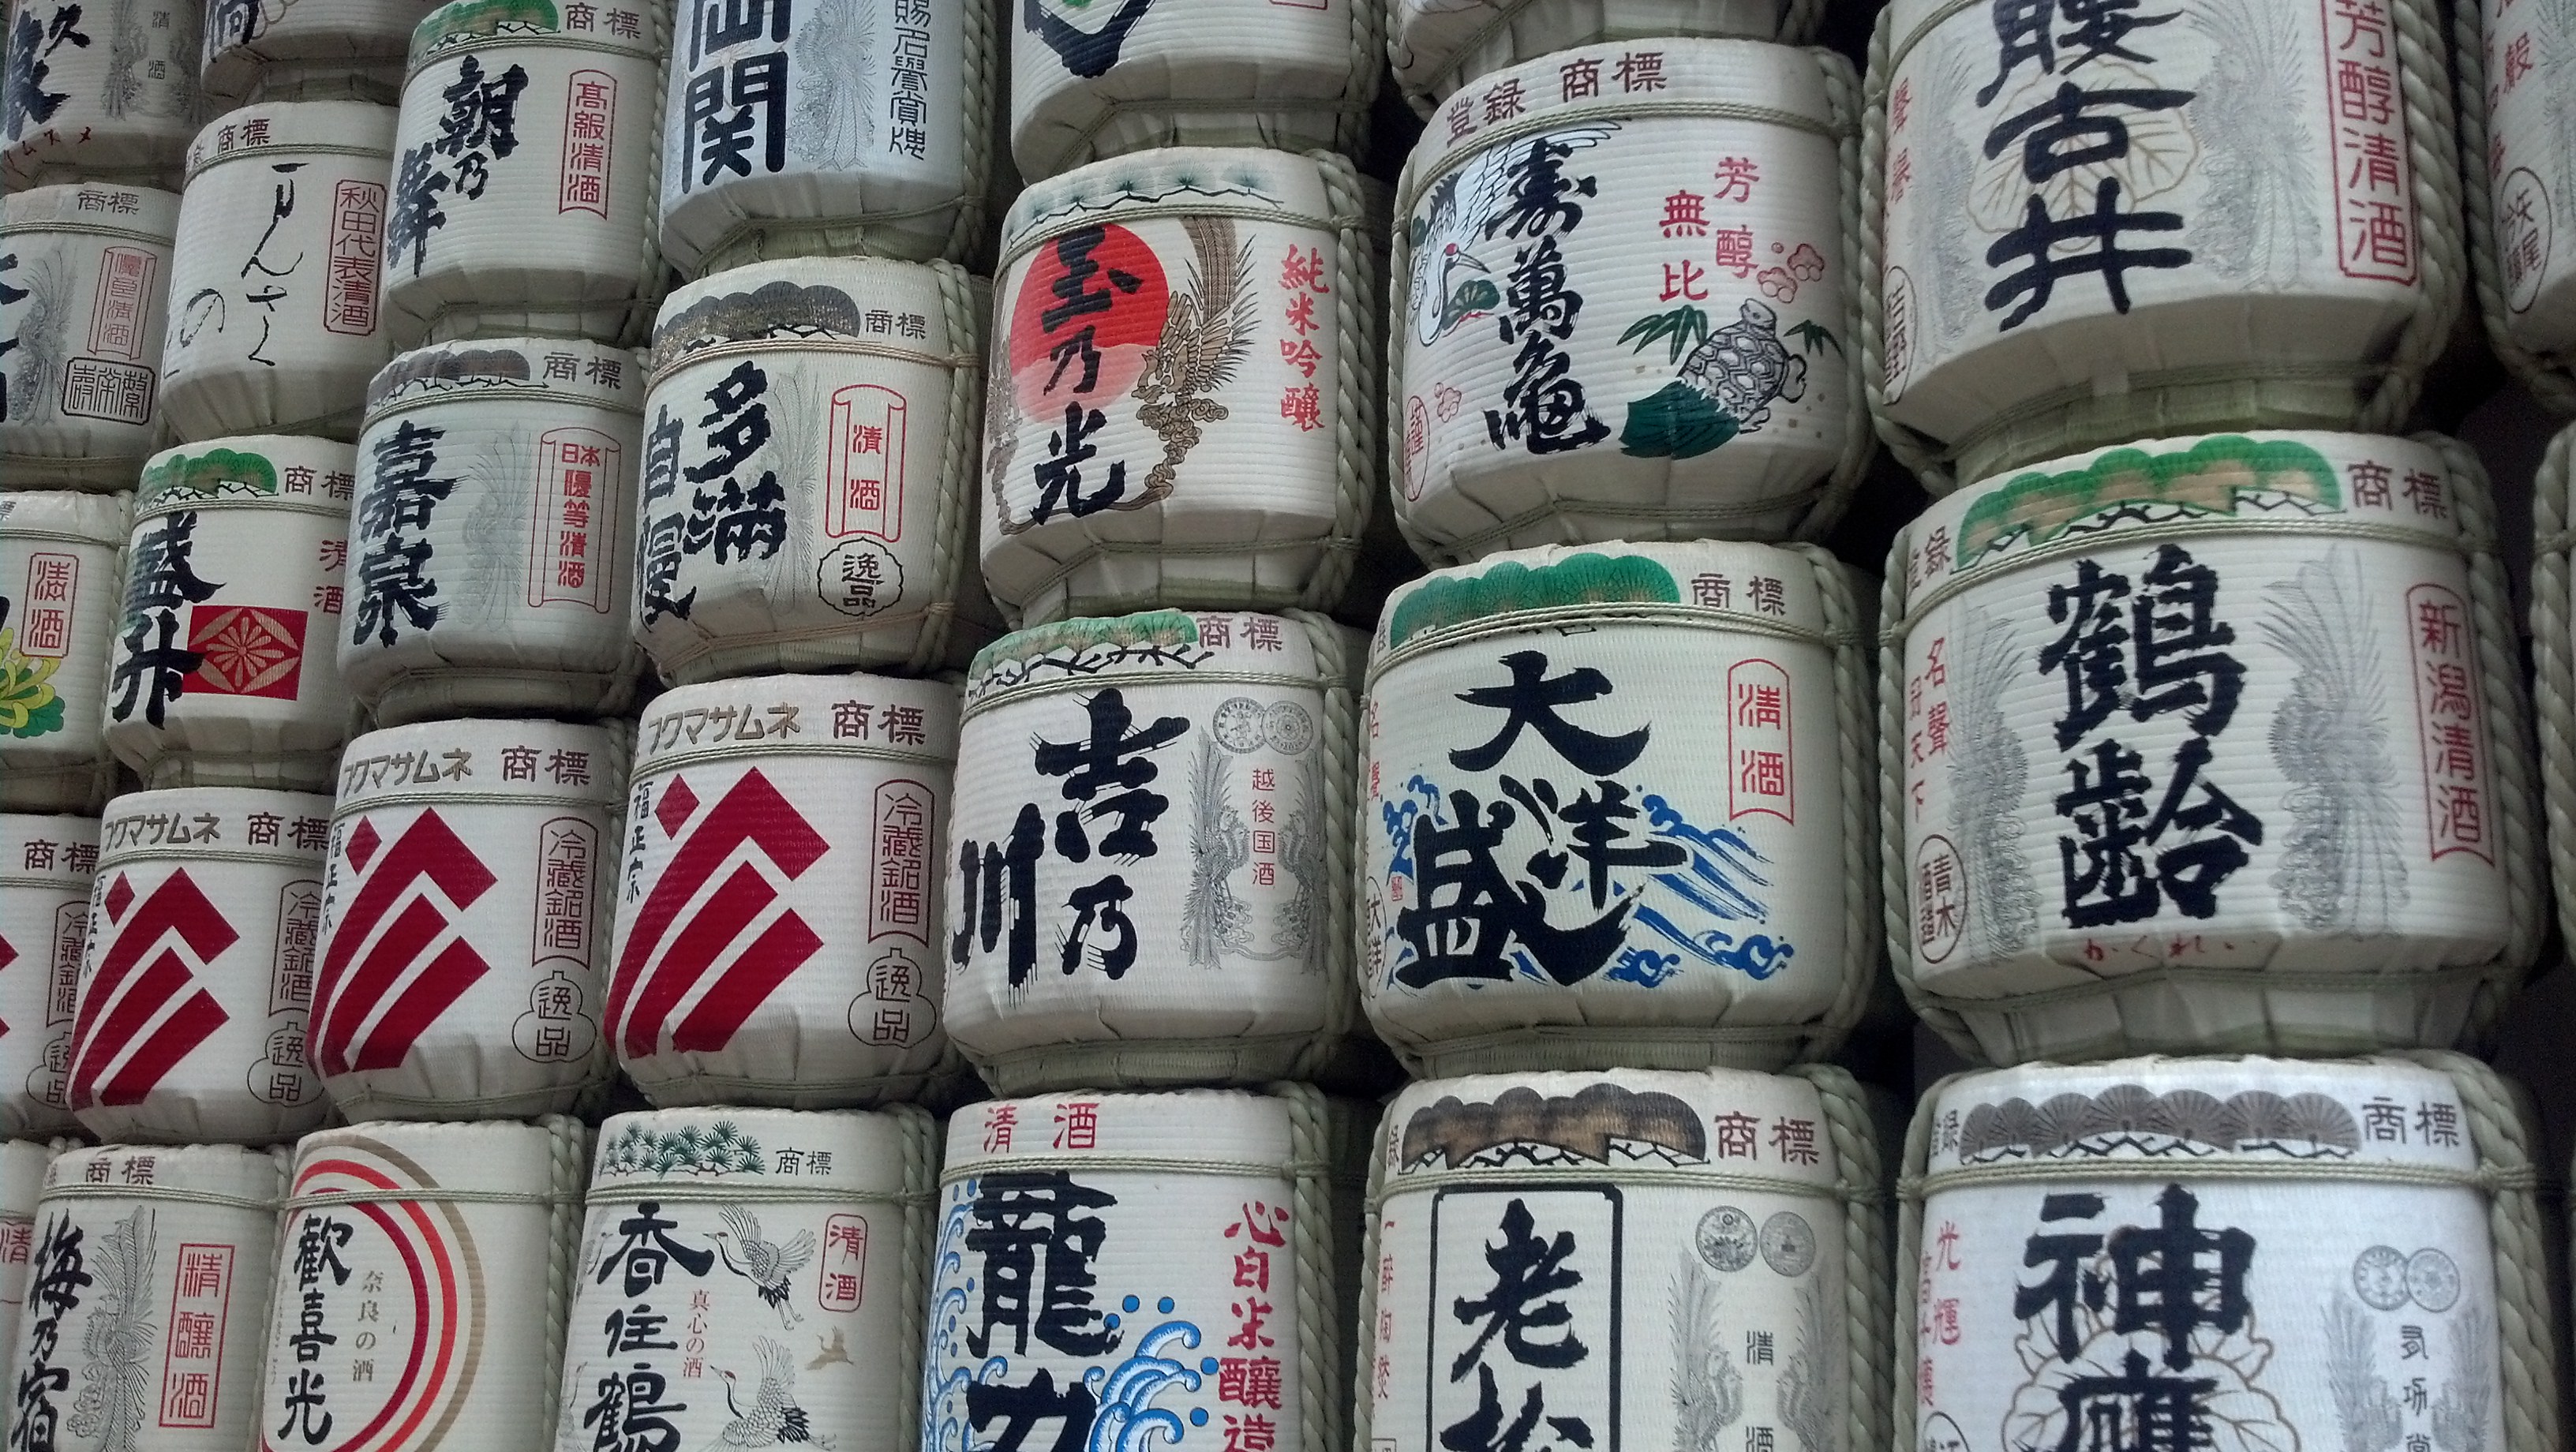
x=767 y=1265
x=773 y=1419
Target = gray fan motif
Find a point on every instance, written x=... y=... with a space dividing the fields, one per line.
x=2341 y=870
x=2257 y=218
x=835 y=119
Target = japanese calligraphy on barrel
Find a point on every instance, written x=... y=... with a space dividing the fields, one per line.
x=1152 y=852
x=1113 y=1261
x=890 y=152
x=1183 y=402
x=809 y=488
x=98 y=97
x=1570 y=858
x=2244 y=216
x=273 y=307
x=60 y=571
x=1734 y=1219
x=778 y=913
x=423 y=1272
x=493 y=539
x=147 y=1298
x=465 y=919
x=45 y=869
x=785 y=1257
x=203 y=920
x=2208 y=743
x=83 y=284
x=1603 y=340
x=520 y=125
x=2359 y=1243
x=1437 y=46
x=2527 y=280
x=22 y=1182
x=1088 y=83
x=286 y=50
x=221 y=670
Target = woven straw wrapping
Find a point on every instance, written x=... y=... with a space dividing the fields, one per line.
x=2290 y=312
x=2518 y=179
x=62 y=567
x=583 y=101
x=2375 y=1221
x=83 y=310
x=2367 y=884
x=221 y=670
x=1754 y=1269
x=277 y=327
x=117 y=105
x=1436 y=46
x=285 y=50
x=1216 y=948
x=824 y=796
x=489 y=1006
x=1215 y=1225
x=1707 y=333
x=1697 y=715
x=45 y=869
x=150 y=1272
x=1227 y=447
x=436 y=1259
x=808 y=480
x=493 y=538
x=1088 y=84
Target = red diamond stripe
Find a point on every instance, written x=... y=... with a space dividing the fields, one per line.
x=194 y=1023
x=419 y=923
x=745 y=986
x=745 y=895
x=457 y=968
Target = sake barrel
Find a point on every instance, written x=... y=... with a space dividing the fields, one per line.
x=2210 y=742
x=221 y=671
x=776 y=928
x=1757 y=1239
x=147 y=1299
x=1557 y=387
x=277 y=50
x=508 y=595
x=22 y=1181
x=494 y=832
x=1569 y=859
x=890 y=152
x=83 y=304
x=273 y=324
x=1439 y=46
x=423 y=1272
x=2246 y=217
x=809 y=490
x=1189 y=1247
x=786 y=1256
x=2518 y=139
x=1184 y=387
x=1152 y=847
x=60 y=571
x=98 y=96
x=45 y=869
x=2359 y=1244
x=527 y=125
x=1088 y=83
x=199 y=968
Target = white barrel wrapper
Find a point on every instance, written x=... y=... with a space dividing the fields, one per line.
x=203 y=922
x=285 y=49
x=22 y=1183
x=2530 y=66
x=1612 y=811
x=61 y=568
x=1439 y=45
x=2209 y=743
x=45 y=868
x=1628 y=307
x=785 y=1254
x=147 y=1299
x=1185 y=374
x=223 y=669
x=423 y=1272
x=778 y=917
x=103 y=91
x=1089 y=81
x=492 y=546
x=1108 y=1263
x=523 y=174
x=465 y=919
x=809 y=471
x=82 y=302
x=1732 y=1219
x=273 y=306
x=2338 y=1255
x=1152 y=851
x=2245 y=214
x=890 y=145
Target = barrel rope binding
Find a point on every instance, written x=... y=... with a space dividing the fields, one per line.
x=1867 y=1300
x=957 y=1170
x=966 y=341
x=1397 y=313
x=2432 y=144
x=266 y=1207
x=1813 y=498
x=919 y=1224
x=979 y=91
x=1349 y=115
x=1853 y=681
x=68 y=227
x=733 y=1192
x=1356 y=364
x=1310 y=1234
x=2554 y=668
x=993 y=698
x=487 y=390
x=654 y=274
x=1795 y=25
x=568 y=1149
x=1368 y=71
x=1895 y=892
x=1665 y=614
x=286 y=148
x=1860 y=444
x=1072 y=216
x=1341 y=771
x=175 y=504
x=2547 y=378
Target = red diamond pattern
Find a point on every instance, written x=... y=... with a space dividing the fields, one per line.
x=120 y=896
x=678 y=804
x=363 y=843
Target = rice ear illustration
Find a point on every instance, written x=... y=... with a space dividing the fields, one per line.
x=1812 y=1386
x=1214 y=922
x=2460 y=1412
x=1708 y=1392
x=2339 y=866
x=1988 y=771
x=2365 y=1409
x=2254 y=226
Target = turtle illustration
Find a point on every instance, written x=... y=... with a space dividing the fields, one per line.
x=1743 y=366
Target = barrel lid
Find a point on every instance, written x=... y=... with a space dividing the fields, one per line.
x=211 y=822
x=65 y=849
x=490 y=368
x=104 y=206
x=789 y=714
x=100 y=519
x=1718 y=1120
x=1168 y=645
x=783 y=1151
x=221 y=1172
x=536 y=760
x=1172 y=180
x=1715 y=581
x=898 y=305
x=1223 y=1129
x=249 y=467
x=466 y=24
x=281 y=128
